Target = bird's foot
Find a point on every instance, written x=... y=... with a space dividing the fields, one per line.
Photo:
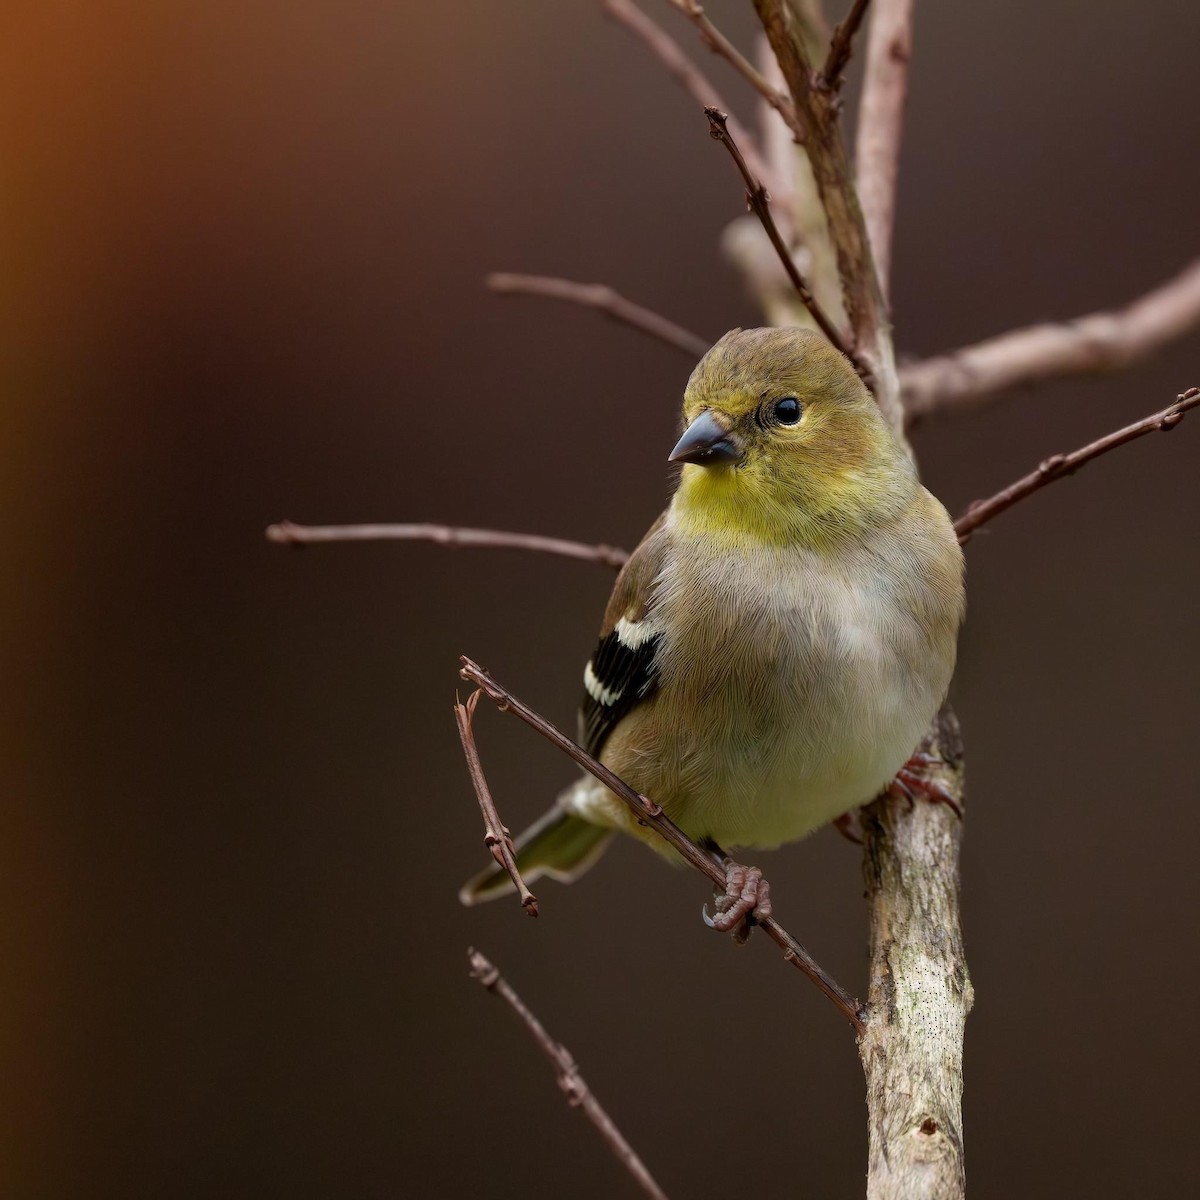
x=747 y=900
x=913 y=780
x=849 y=827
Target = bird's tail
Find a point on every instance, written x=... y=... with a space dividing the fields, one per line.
x=560 y=845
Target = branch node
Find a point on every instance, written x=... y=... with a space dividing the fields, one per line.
x=482 y=970
x=719 y=44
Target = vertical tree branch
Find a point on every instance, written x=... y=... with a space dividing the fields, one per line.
x=880 y=125
x=817 y=112
x=919 y=992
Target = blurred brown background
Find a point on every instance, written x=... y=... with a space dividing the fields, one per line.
x=241 y=282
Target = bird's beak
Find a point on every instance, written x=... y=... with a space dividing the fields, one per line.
x=707 y=442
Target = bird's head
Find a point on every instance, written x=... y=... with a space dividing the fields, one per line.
x=784 y=443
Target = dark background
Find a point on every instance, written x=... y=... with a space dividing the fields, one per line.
x=241 y=282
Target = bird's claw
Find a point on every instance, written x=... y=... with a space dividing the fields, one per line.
x=913 y=780
x=747 y=900
x=849 y=827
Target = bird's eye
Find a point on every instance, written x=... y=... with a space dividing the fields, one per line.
x=787 y=411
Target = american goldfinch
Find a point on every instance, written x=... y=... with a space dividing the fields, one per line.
x=781 y=639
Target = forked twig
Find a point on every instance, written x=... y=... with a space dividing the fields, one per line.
x=841 y=46
x=289 y=533
x=604 y=299
x=719 y=44
x=759 y=202
x=1058 y=465
x=495 y=833
x=578 y=1094
x=649 y=813
x=689 y=76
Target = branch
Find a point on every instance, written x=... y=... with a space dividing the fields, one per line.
x=578 y=1094
x=604 y=299
x=816 y=109
x=756 y=197
x=649 y=813
x=880 y=125
x=669 y=52
x=1101 y=341
x=1059 y=465
x=919 y=993
x=289 y=533
x=718 y=43
x=495 y=833
x=841 y=46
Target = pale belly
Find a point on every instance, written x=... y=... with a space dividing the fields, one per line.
x=800 y=710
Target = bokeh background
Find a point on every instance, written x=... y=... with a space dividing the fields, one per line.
x=243 y=250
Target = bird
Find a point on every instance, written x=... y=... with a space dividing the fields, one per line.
x=779 y=642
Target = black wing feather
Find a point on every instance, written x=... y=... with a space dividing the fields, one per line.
x=619 y=678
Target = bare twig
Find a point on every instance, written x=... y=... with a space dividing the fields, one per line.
x=578 y=1094
x=604 y=299
x=672 y=56
x=289 y=533
x=649 y=813
x=495 y=833
x=756 y=197
x=1058 y=465
x=880 y=125
x=718 y=43
x=1101 y=341
x=841 y=46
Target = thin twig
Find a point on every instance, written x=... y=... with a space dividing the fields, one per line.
x=759 y=202
x=718 y=43
x=678 y=65
x=1059 y=465
x=649 y=813
x=841 y=46
x=880 y=126
x=578 y=1094
x=1100 y=341
x=604 y=299
x=289 y=533
x=496 y=836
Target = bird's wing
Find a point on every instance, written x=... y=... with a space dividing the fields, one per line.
x=621 y=672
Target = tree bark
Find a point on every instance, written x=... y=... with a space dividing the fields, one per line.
x=919 y=992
